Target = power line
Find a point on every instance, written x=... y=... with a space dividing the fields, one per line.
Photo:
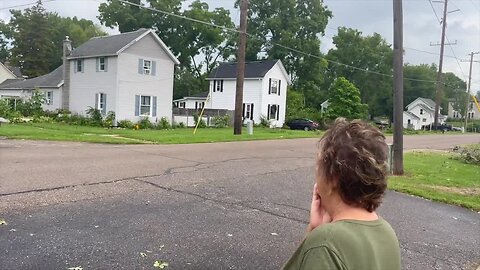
x=25 y=5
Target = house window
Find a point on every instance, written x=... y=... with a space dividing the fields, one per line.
x=274 y=87
x=79 y=65
x=248 y=111
x=421 y=111
x=218 y=86
x=182 y=104
x=102 y=64
x=48 y=98
x=424 y=120
x=145 y=105
x=101 y=102
x=273 y=111
x=147 y=67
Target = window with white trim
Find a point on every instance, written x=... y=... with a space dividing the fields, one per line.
x=48 y=98
x=147 y=67
x=272 y=114
x=79 y=65
x=424 y=120
x=102 y=64
x=274 y=87
x=218 y=86
x=248 y=110
x=101 y=102
x=145 y=105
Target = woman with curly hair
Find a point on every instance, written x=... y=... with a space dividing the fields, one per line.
x=344 y=231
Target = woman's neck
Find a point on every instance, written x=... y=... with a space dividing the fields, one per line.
x=344 y=211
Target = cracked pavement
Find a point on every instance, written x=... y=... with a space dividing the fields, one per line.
x=239 y=205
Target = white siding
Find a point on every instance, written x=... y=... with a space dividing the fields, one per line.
x=57 y=98
x=276 y=74
x=426 y=118
x=190 y=103
x=85 y=85
x=416 y=124
x=131 y=83
x=5 y=73
x=255 y=92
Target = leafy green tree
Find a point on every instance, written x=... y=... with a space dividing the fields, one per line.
x=274 y=25
x=4 y=51
x=78 y=30
x=37 y=36
x=344 y=101
x=202 y=46
x=421 y=85
x=31 y=45
x=370 y=53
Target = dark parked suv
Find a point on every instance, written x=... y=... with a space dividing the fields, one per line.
x=305 y=124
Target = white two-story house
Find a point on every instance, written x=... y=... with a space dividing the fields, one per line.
x=421 y=113
x=264 y=90
x=130 y=74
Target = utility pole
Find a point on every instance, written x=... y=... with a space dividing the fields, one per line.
x=439 y=92
x=237 y=123
x=397 y=87
x=468 y=88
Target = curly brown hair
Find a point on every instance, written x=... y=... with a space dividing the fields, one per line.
x=353 y=157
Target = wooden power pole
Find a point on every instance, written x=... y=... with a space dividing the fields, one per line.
x=468 y=88
x=237 y=123
x=397 y=87
x=439 y=92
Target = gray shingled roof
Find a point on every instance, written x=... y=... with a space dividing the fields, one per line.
x=428 y=101
x=16 y=71
x=107 y=45
x=50 y=80
x=256 y=69
x=411 y=114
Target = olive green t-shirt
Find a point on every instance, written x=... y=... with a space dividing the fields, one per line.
x=348 y=244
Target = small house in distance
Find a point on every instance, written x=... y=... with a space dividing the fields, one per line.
x=420 y=114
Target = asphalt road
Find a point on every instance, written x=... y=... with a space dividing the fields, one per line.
x=241 y=205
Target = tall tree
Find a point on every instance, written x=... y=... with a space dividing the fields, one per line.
x=344 y=101
x=370 y=53
x=419 y=83
x=274 y=25
x=4 y=51
x=32 y=45
x=197 y=46
x=37 y=38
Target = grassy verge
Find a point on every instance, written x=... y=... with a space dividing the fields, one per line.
x=63 y=132
x=438 y=177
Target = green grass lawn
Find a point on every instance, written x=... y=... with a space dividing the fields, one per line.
x=63 y=132
x=438 y=177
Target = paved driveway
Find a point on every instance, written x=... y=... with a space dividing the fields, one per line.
x=237 y=205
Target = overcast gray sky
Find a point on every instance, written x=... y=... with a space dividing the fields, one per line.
x=420 y=25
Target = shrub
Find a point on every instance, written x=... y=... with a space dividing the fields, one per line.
x=95 y=116
x=163 y=124
x=468 y=154
x=201 y=122
x=221 y=121
x=145 y=123
x=181 y=125
x=264 y=122
x=126 y=124
x=109 y=119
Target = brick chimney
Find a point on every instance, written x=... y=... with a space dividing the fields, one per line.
x=67 y=48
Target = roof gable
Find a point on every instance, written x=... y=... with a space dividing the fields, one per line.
x=51 y=80
x=8 y=70
x=116 y=44
x=255 y=69
x=426 y=101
